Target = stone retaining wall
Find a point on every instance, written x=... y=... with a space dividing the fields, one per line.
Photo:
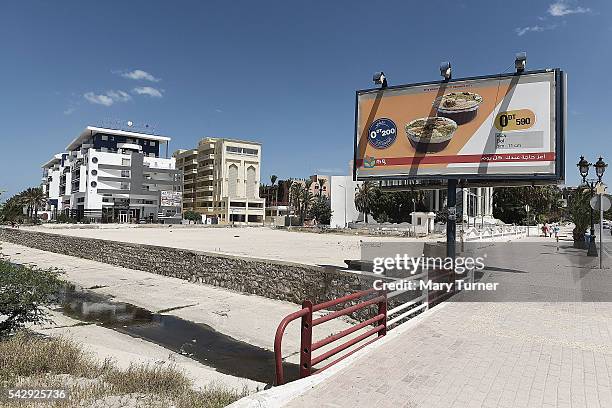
x=272 y=279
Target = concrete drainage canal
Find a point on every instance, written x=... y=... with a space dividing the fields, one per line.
x=197 y=341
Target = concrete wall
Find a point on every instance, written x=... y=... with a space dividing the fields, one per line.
x=272 y=279
x=343 y=201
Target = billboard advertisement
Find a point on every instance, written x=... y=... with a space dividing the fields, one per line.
x=502 y=127
x=171 y=198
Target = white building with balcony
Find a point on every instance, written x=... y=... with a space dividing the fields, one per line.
x=113 y=175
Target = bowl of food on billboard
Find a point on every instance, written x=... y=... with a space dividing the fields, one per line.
x=461 y=107
x=430 y=134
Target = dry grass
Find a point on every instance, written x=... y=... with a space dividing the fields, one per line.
x=29 y=361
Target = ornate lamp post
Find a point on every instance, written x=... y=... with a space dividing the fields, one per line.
x=600 y=168
x=583 y=167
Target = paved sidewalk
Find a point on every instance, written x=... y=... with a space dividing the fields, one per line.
x=484 y=355
x=468 y=354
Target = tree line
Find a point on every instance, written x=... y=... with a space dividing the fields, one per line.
x=31 y=200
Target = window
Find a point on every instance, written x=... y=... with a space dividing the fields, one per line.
x=241 y=150
x=125 y=162
x=94 y=172
x=250 y=186
x=94 y=184
x=104 y=138
x=94 y=160
x=125 y=173
x=232 y=180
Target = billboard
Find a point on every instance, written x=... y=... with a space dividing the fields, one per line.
x=504 y=127
x=171 y=198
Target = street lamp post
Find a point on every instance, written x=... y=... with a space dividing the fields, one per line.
x=583 y=167
x=527 y=208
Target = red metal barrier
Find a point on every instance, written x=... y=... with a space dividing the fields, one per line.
x=307 y=323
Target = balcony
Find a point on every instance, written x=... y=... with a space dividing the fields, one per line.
x=207 y=167
x=208 y=177
x=205 y=209
x=206 y=156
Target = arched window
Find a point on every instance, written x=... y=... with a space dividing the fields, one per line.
x=250 y=182
x=232 y=180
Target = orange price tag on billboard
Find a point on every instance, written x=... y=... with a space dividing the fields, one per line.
x=515 y=120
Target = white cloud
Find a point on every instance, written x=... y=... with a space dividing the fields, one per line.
x=139 y=74
x=520 y=31
x=148 y=90
x=108 y=98
x=69 y=111
x=561 y=8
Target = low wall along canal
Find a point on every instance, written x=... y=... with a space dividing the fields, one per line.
x=287 y=281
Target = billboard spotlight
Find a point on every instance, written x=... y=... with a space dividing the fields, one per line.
x=445 y=70
x=379 y=78
x=520 y=62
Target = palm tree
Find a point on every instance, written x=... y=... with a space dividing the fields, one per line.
x=34 y=198
x=321 y=184
x=295 y=197
x=364 y=198
x=273 y=179
x=288 y=185
x=306 y=198
x=307 y=201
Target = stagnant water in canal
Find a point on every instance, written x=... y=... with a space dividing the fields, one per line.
x=195 y=340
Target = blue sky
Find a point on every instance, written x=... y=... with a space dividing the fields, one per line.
x=280 y=72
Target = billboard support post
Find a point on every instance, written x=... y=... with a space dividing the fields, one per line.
x=451 y=222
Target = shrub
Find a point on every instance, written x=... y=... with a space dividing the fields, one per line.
x=321 y=211
x=24 y=293
x=192 y=216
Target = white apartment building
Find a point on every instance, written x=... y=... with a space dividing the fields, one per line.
x=221 y=180
x=52 y=171
x=113 y=175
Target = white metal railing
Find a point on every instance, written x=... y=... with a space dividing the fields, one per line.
x=422 y=298
x=493 y=232
x=404 y=310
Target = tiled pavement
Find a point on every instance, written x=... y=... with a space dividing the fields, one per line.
x=492 y=355
x=485 y=355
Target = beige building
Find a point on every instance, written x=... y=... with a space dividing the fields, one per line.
x=221 y=180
